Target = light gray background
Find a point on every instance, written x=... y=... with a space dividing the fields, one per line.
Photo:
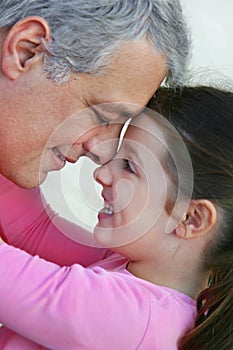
x=211 y=27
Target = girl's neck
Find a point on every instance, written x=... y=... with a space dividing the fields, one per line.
x=189 y=282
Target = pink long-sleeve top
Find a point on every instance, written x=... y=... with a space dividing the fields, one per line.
x=85 y=298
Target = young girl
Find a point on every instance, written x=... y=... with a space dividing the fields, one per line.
x=139 y=294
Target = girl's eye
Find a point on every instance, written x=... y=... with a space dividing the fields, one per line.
x=129 y=166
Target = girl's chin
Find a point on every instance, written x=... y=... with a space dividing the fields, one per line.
x=111 y=237
x=103 y=235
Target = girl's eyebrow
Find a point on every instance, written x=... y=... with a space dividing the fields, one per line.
x=128 y=148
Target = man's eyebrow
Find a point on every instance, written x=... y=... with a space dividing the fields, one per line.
x=130 y=114
x=116 y=108
x=125 y=114
x=107 y=114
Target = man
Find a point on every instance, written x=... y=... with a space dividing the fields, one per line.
x=60 y=57
x=65 y=67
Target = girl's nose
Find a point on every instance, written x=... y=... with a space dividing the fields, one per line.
x=103 y=175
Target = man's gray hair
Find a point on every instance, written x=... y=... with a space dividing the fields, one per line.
x=87 y=33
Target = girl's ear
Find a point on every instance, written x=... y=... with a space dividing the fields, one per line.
x=23 y=45
x=200 y=217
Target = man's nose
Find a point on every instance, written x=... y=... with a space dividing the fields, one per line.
x=100 y=151
x=102 y=147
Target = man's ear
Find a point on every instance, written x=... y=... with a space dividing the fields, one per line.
x=199 y=219
x=23 y=45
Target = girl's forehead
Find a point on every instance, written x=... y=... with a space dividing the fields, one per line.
x=146 y=129
x=144 y=138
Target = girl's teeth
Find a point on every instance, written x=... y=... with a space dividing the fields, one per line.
x=107 y=209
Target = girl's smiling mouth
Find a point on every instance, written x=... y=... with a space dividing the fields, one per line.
x=107 y=209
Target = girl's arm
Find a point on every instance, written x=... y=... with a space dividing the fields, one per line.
x=69 y=307
x=27 y=222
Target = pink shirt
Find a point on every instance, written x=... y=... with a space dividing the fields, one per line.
x=99 y=307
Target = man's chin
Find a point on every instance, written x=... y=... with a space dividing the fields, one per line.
x=26 y=181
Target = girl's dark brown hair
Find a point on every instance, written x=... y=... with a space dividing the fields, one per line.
x=204 y=118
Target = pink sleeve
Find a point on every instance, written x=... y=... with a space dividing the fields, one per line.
x=70 y=307
x=27 y=223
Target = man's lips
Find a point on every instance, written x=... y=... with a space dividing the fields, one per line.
x=59 y=154
x=62 y=156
